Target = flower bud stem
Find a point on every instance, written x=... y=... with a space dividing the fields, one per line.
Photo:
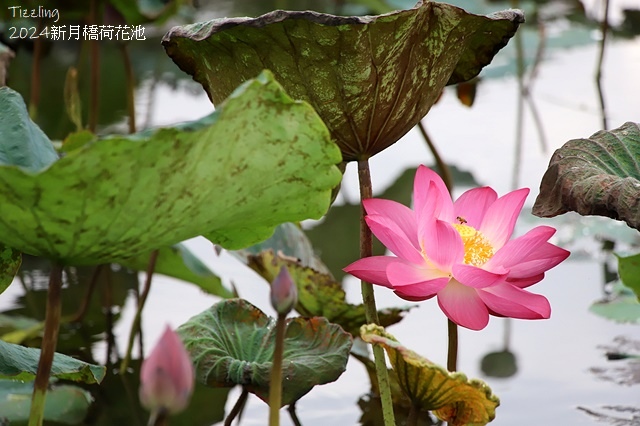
x=368 y=297
x=275 y=384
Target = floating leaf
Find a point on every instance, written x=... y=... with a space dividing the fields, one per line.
x=232 y=344
x=620 y=305
x=179 y=262
x=320 y=294
x=629 y=270
x=370 y=78
x=122 y=196
x=499 y=364
x=65 y=404
x=595 y=176
x=10 y=261
x=451 y=396
x=20 y=363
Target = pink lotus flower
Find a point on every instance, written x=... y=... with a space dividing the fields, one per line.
x=166 y=376
x=460 y=252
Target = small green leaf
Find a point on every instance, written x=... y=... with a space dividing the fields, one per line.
x=179 y=262
x=499 y=364
x=371 y=79
x=65 y=404
x=10 y=261
x=20 y=363
x=260 y=151
x=232 y=344
x=319 y=294
x=451 y=396
x=595 y=176
x=22 y=143
x=17 y=329
x=629 y=270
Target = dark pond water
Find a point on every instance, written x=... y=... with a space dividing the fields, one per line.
x=561 y=375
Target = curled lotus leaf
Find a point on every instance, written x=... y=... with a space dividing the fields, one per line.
x=319 y=294
x=451 y=396
x=599 y=176
x=370 y=78
x=232 y=343
x=110 y=199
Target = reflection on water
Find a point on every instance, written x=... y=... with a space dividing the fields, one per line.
x=542 y=373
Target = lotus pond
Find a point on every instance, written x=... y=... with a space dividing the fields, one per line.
x=130 y=208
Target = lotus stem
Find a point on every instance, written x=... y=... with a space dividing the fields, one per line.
x=275 y=385
x=237 y=408
x=452 y=353
x=82 y=311
x=128 y=69
x=49 y=341
x=137 y=320
x=412 y=420
x=445 y=170
x=293 y=414
x=95 y=69
x=34 y=98
x=515 y=178
x=604 y=29
x=368 y=297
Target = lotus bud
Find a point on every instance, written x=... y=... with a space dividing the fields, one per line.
x=284 y=293
x=167 y=376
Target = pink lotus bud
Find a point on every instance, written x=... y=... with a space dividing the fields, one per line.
x=284 y=293
x=167 y=377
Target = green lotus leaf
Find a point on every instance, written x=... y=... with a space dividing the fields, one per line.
x=620 y=305
x=260 y=160
x=629 y=271
x=232 y=344
x=292 y=241
x=320 y=294
x=499 y=364
x=10 y=261
x=595 y=176
x=20 y=363
x=65 y=404
x=452 y=397
x=179 y=262
x=370 y=78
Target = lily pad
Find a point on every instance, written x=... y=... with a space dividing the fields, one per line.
x=179 y=262
x=452 y=397
x=320 y=294
x=260 y=151
x=595 y=176
x=20 y=363
x=232 y=344
x=65 y=404
x=620 y=305
x=370 y=78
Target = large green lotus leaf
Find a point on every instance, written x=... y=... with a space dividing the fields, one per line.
x=179 y=262
x=370 y=78
x=595 y=176
x=10 y=260
x=320 y=294
x=232 y=344
x=259 y=160
x=629 y=270
x=65 y=404
x=451 y=396
x=20 y=363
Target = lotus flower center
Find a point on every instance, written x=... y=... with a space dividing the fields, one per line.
x=477 y=249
